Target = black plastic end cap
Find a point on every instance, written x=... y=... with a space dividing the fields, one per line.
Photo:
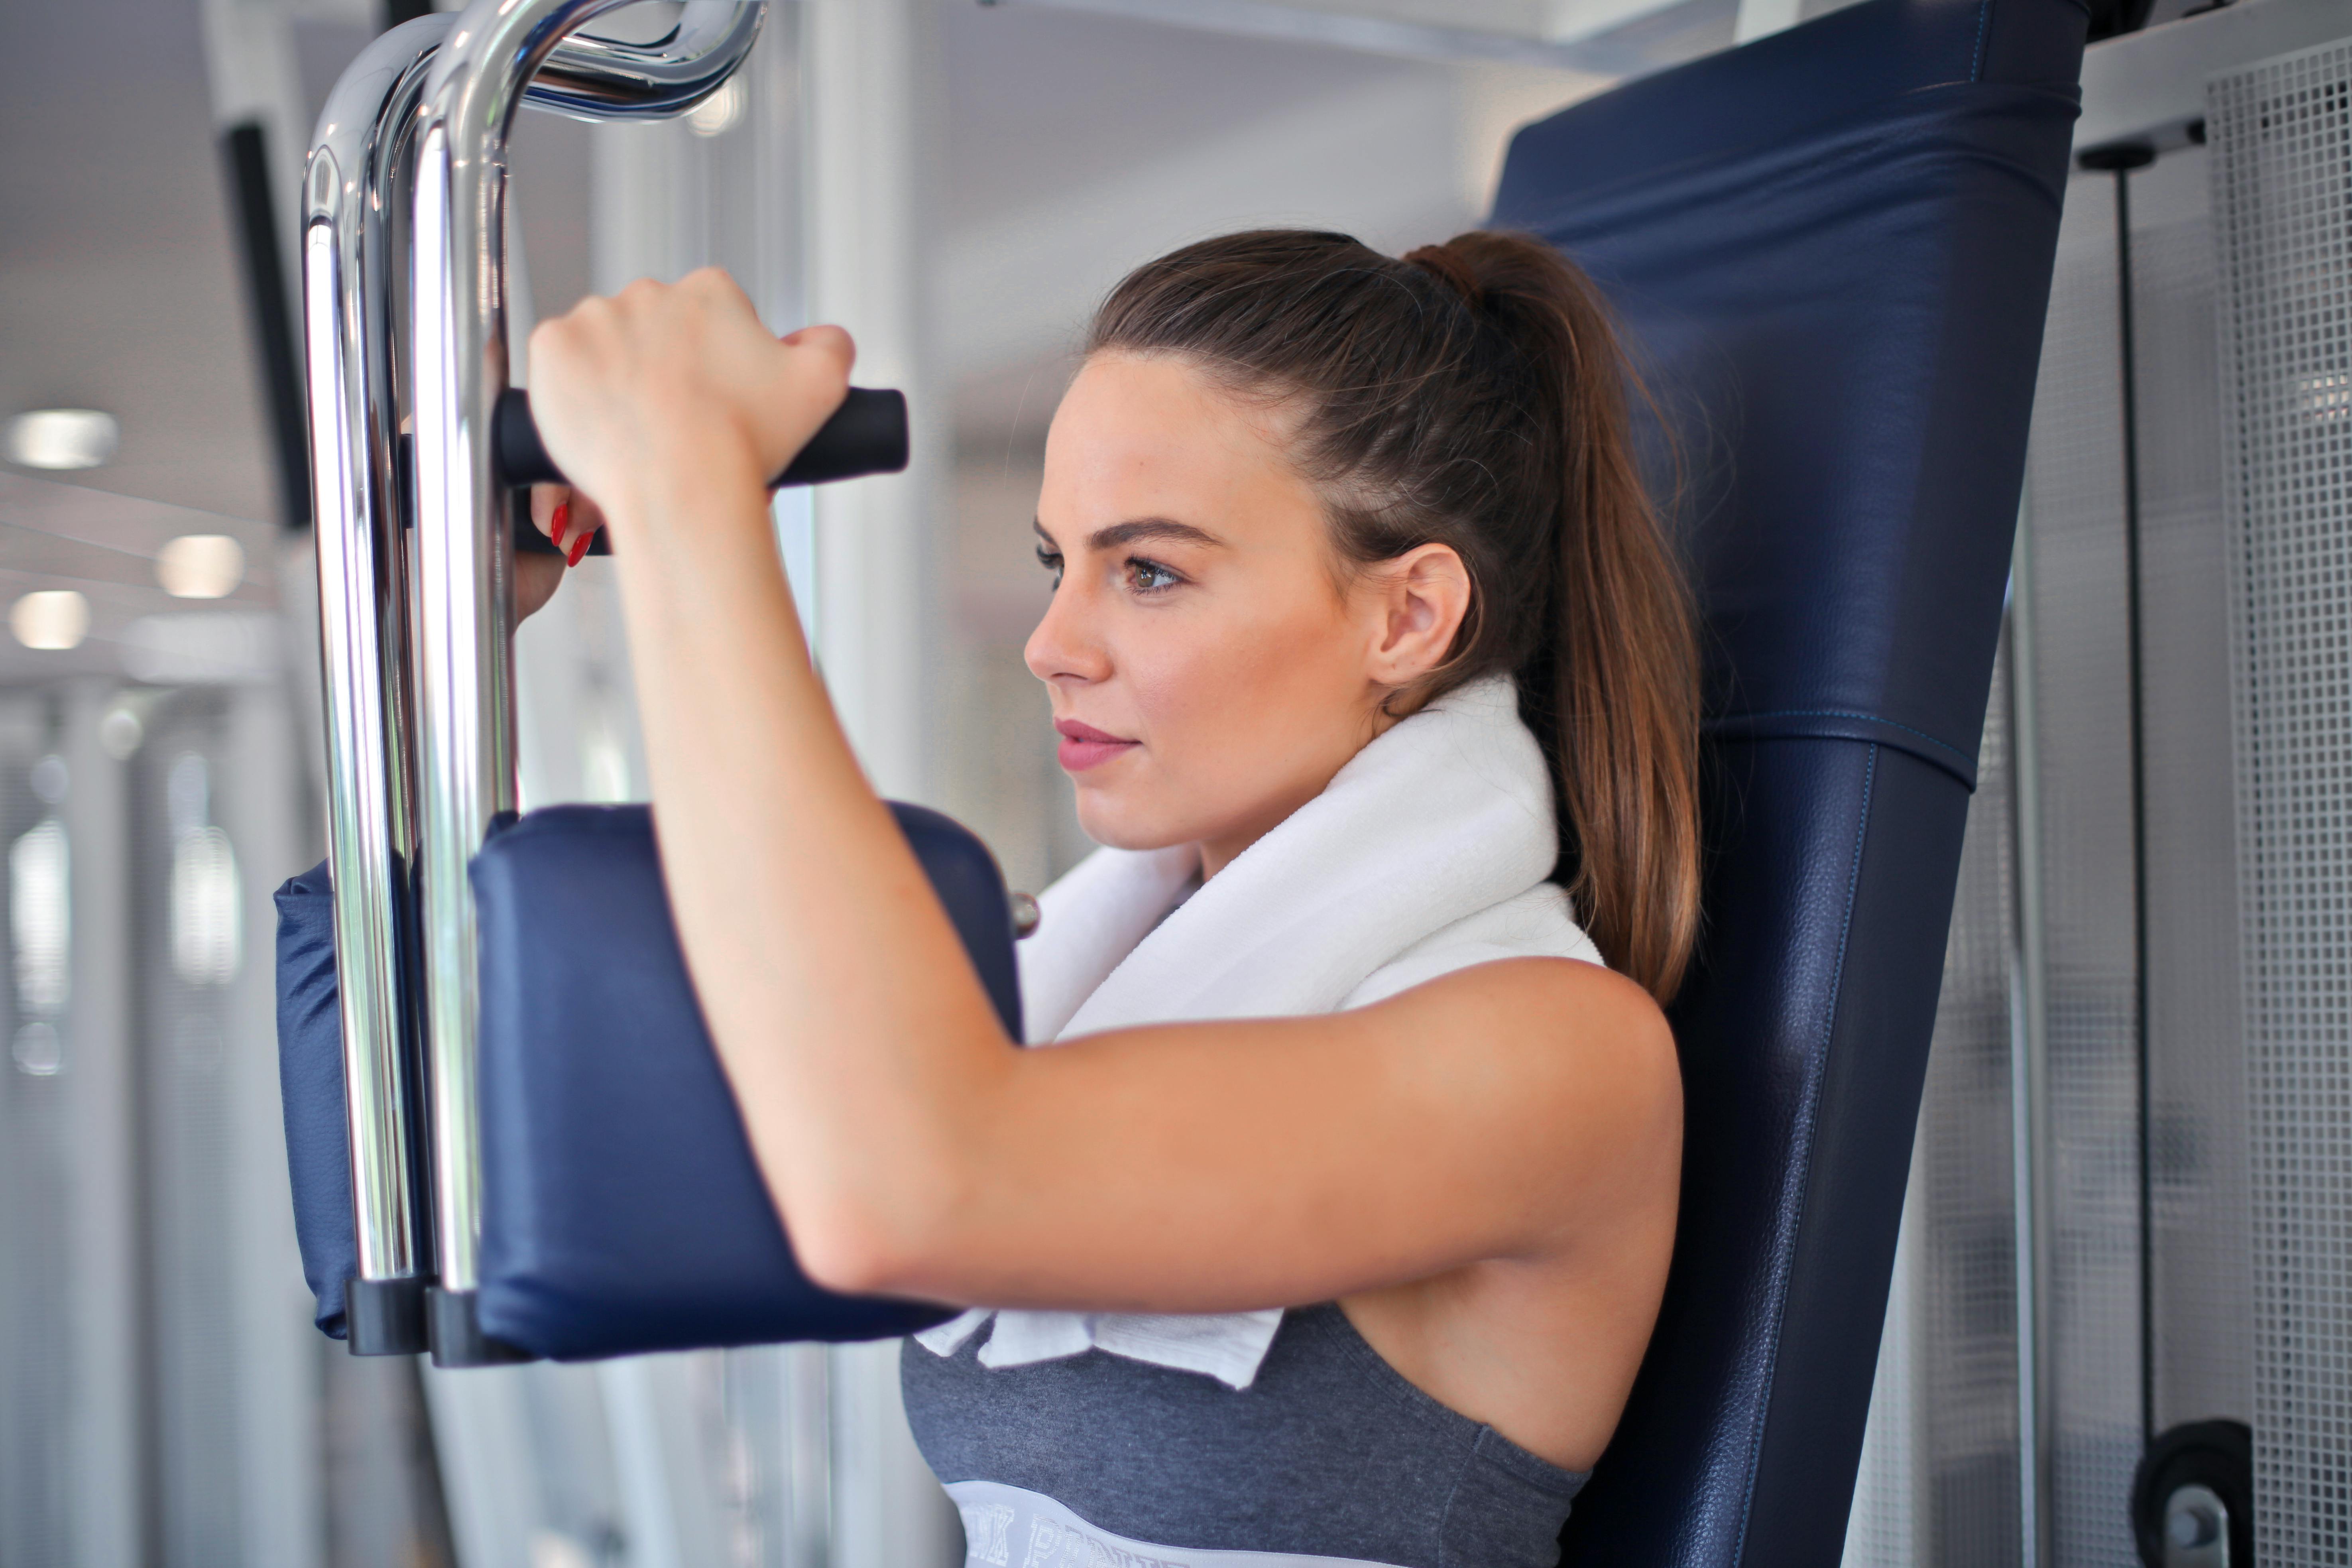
x=456 y=1333
x=866 y=435
x=385 y=1316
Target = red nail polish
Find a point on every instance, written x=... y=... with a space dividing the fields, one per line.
x=580 y=548
x=560 y=522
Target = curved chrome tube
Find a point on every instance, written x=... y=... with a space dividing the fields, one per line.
x=595 y=78
x=370 y=835
x=357 y=205
x=465 y=684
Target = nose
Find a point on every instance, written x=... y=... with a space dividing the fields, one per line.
x=1067 y=644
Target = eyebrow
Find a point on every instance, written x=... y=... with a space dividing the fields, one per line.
x=1120 y=533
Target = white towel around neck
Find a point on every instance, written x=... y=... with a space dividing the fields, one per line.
x=1427 y=853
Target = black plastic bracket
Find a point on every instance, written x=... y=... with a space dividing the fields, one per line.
x=456 y=1328
x=385 y=1316
x=2118 y=157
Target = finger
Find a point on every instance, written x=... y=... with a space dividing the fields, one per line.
x=831 y=342
x=545 y=501
x=718 y=286
x=587 y=517
x=585 y=520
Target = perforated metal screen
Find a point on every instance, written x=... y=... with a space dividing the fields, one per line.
x=2281 y=135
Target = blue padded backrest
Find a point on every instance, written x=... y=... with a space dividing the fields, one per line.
x=1832 y=252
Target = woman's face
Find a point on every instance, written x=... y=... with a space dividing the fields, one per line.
x=1209 y=672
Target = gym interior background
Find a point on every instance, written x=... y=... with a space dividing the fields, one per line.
x=958 y=183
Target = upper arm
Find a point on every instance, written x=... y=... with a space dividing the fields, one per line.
x=1500 y=1112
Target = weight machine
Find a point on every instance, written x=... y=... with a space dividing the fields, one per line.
x=417 y=446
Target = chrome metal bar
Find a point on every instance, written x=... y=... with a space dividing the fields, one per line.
x=371 y=821
x=596 y=79
x=465 y=721
x=357 y=200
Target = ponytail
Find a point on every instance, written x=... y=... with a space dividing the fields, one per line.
x=1473 y=394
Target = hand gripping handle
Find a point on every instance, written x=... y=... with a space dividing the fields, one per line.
x=866 y=435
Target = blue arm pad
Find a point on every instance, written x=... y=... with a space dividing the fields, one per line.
x=621 y=1209
x=311 y=1087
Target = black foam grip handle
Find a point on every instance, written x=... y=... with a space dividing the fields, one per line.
x=866 y=435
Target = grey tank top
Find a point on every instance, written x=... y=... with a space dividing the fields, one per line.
x=1330 y=1456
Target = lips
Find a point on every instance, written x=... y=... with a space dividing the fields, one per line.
x=1084 y=747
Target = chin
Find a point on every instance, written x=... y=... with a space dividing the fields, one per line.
x=1119 y=825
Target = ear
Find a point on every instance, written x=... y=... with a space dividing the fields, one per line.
x=1421 y=598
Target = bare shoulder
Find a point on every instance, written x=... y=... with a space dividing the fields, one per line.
x=1554 y=1014
x=1580 y=1056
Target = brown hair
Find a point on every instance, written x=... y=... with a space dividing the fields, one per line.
x=1473 y=394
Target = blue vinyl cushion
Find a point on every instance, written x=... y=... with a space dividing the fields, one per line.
x=1832 y=251
x=311 y=1091
x=621 y=1209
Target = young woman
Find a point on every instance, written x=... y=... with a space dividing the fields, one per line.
x=1335 y=1226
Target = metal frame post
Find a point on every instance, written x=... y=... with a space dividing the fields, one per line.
x=410 y=158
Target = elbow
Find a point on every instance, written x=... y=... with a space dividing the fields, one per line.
x=889 y=1212
x=847 y=1257
x=872 y=1245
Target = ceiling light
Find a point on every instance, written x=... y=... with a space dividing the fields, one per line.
x=717 y=113
x=62 y=438
x=51 y=618
x=200 y=566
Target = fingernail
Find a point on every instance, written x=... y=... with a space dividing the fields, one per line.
x=560 y=522
x=580 y=548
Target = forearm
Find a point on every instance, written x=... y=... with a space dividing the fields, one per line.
x=837 y=994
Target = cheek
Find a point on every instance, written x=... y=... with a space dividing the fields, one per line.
x=1241 y=700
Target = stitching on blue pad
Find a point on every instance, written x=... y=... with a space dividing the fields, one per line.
x=1864 y=717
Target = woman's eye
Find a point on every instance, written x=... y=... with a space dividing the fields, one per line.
x=1050 y=560
x=1149 y=576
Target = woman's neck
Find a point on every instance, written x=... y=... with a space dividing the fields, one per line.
x=1221 y=851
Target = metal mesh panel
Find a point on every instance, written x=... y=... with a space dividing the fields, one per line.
x=1939 y=1474
x=2282 y=149
x=2083 y=767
